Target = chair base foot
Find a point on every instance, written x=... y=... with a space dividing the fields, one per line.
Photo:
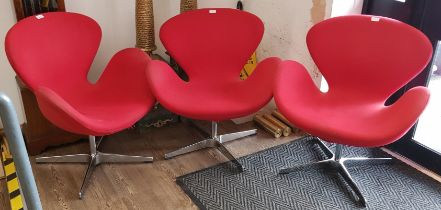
x=216 y=141
x=93 y=159
x=339 y=165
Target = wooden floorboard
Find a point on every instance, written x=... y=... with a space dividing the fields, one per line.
x=4 y=196
x=138 y=186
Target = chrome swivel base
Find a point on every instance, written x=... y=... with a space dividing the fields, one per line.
x=94 y=159
x=215 y=141
x=339 y=164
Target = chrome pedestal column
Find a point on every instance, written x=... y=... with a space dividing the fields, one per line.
x=339 y=165
x=215 y=141
x=94 y=159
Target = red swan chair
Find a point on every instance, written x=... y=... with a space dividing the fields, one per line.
x=364 y=60
x=212 y=46
x=52 y=54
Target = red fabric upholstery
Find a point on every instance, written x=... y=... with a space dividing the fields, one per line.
x=52 y=56
x=364 y=63
x=212 y=48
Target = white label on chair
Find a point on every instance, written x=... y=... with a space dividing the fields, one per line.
x=39 y=16
x=375 y=19
x=212 y=11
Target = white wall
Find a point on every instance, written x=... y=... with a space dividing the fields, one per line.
x=286 y=23
x=346 y=7
x=286 y=26
x=117 y=21
x=7 y=75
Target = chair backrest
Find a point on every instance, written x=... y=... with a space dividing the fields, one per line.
x=375 y=55
x=212 y=43
x=53 y=49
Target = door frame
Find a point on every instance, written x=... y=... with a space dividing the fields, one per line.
x=407 y=146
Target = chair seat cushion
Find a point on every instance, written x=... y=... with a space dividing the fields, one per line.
x=355 y=125
x=216 y=103
x=213 y=100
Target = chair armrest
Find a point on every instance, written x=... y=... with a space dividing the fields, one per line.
x=57 y=110
x=265 y=73
x=163 y=80
x=409 y=106
x=125 y=71
x=294 y=85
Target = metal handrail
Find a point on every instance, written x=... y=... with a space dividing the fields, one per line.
x=19 y=153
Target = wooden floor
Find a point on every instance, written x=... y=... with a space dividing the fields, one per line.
x=137 y=186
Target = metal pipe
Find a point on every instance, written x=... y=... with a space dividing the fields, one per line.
x=92 y=145
x=213 y=129
x=18 y=150
x=338 y=148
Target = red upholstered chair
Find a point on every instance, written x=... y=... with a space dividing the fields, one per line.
x=212 y=46
x=52 y=54
x=365 y=60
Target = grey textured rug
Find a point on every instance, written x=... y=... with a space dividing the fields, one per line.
x=393 y=186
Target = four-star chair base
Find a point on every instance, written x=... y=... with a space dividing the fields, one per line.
x=215 y=141
x=94 y=159
x=338 y=164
